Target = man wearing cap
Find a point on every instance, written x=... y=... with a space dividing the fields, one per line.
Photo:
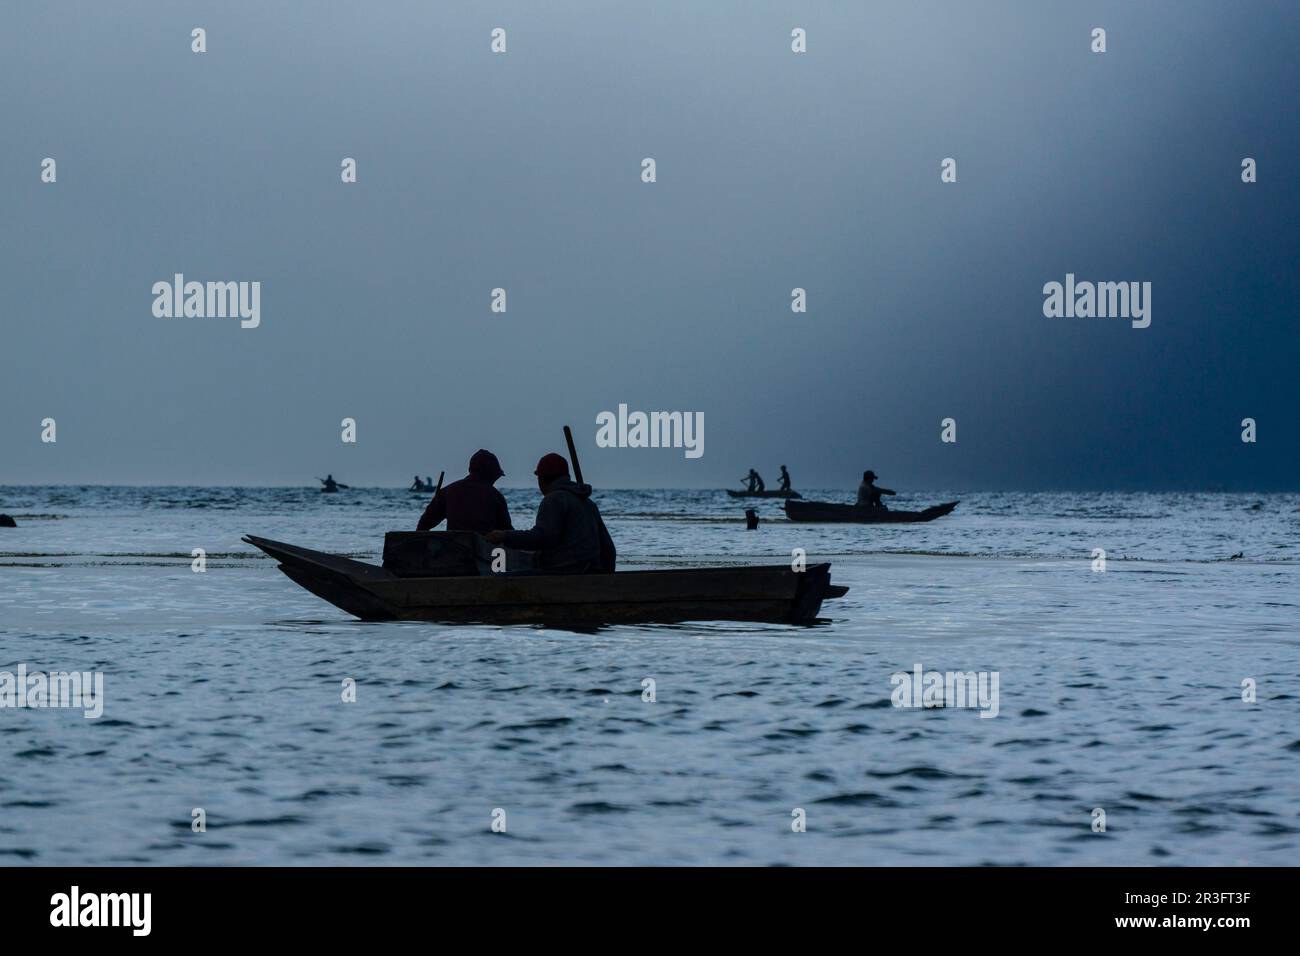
x=471 y=504
x=869 y=494
x=569 y=535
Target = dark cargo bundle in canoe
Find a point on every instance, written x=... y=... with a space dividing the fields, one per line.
x=447 y=576
x=823 y=511
x=442 y=554
x=764 y=494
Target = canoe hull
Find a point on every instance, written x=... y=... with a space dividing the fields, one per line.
x=768 y=594
x=826 y=512
x=763 y=494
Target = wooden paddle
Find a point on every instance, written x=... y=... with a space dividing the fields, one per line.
x=573 y=456
x=439 y=486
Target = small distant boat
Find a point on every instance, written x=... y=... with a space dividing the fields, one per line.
x=764 y=494
x=824 y=511
x=446 y=576
x=426 y=487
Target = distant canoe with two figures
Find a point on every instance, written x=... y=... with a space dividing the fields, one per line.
x=764 y=494
x=824 y=511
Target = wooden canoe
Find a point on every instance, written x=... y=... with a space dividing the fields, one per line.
x=822 y=511
x=373 y=593
x=764 y=494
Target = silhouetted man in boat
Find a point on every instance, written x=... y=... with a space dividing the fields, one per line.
x=569 y=535
x=869 y=494
x=329 y=483
x=417 y=485
x=755 y=482
x=784 y=480
x=471 y=504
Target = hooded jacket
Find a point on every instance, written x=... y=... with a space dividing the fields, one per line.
x=471 y=504
x=569 y=535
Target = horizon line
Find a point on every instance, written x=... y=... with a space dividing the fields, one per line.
x=533 y=486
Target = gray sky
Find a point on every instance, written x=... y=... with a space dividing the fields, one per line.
x=775 y=170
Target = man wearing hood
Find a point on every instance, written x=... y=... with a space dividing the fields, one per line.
x=471 y=504
x=569 y=535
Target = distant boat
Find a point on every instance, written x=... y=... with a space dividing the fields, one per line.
x=425 y=487
x=764 y=494
x=824 y=511
x=447 y=576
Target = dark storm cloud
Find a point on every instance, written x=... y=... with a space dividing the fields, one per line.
x=775 y=171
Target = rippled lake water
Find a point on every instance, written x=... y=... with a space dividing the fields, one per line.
x=1120 y=690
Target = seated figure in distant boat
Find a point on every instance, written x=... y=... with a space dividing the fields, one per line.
x=417 y=485
x=329 y=483
x=755 y=482
x=869 y=494
x=471 y=504
x=784 y=481
x=428 y=482
x=569 y=535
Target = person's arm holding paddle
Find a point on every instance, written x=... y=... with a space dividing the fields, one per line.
x=436 y=511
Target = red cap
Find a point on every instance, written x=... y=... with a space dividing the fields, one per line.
x=552 y=466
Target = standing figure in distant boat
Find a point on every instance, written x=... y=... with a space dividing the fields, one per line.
x=869 y=494
x=417 y=485
x=755 y=483
x=471 y=504
x=329 y=483
x=784 y=480
x=569 y=534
